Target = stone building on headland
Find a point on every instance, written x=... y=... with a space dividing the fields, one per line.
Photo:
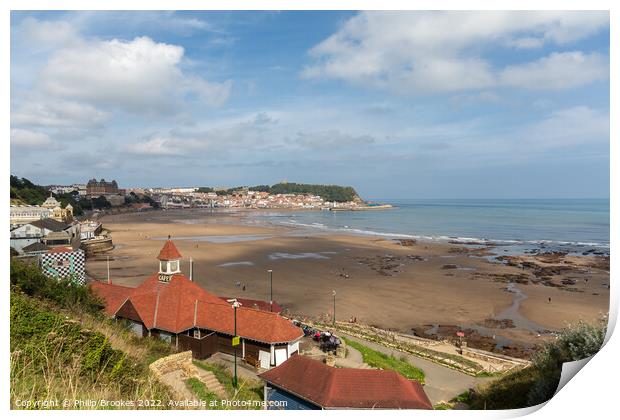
x=96 y=188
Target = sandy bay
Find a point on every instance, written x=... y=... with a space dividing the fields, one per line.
x=377 y=280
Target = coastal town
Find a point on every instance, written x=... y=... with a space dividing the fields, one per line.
x=302 y=358
x=289 y=210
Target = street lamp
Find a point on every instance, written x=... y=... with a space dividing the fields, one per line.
x=334 y=318
x=270 y=290
x=235 y=339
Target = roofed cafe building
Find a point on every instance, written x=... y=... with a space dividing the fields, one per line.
x=172 y=307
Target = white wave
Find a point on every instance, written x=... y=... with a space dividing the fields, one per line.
x=235 y=263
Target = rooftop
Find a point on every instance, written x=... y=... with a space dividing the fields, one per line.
x=181 y=304
x=169 y=252
x=331 y=387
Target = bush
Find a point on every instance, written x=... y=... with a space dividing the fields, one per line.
x=55 y=358
x=538 y=382
x=28 y=278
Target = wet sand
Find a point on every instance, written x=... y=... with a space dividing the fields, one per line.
x=377 y=280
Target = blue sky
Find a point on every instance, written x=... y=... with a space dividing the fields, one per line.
x=399 y=105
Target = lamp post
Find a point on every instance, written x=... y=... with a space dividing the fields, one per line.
x=270 y=290
x=235 y=339
x=334 y=318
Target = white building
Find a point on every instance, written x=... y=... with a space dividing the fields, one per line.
x=26 y=214
x=48 y=231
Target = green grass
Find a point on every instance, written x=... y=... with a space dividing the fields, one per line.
x=55 y=357
x=383 y=361
x=452 y=361
x=247 y=390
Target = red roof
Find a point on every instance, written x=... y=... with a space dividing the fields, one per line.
x=258 y=304
x=169 y=252
x=59 y=249
x=181 y=304
x=331 y=387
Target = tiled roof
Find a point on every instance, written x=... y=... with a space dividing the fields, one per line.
x=113 y=295
x=331 y=387
x=181 y=305
x=169 y=252
x=60 y=249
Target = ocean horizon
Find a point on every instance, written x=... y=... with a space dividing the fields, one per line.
x=571 y=225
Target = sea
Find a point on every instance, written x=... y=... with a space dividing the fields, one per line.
x=510 y=226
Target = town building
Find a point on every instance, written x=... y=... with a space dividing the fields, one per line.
x=51 y=209
x=58 y=213
x=172 y=307
x=96 y=188
x=302 y=383
x=49 y=232
x=25 y=214
x=64 y=263
x=90 y=229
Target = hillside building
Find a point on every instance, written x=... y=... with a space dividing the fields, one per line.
x=172 y=307
x=48 y=232
x=96 y=188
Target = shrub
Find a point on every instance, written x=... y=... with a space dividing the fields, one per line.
x=537 y=383
x=67 y=293
x=54 y=357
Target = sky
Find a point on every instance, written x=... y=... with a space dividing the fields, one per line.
x=396 y=104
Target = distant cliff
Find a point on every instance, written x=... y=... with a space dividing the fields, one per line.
x=326 y=192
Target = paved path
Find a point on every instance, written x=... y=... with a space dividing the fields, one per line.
x=228 y=360
x=175 y=380
x=442 y=383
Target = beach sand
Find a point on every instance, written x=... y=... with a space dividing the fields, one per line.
x=377 y=280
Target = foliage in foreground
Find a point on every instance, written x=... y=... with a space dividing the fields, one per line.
x=53 y=358
x=383 y=361
x=27 y=277
x=538 y=382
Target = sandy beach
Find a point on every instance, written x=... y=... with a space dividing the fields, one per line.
x=380 y=281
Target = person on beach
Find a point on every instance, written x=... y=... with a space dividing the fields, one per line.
x=549 y=300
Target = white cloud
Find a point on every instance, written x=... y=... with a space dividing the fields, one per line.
x=526 y=42
x=157 y=146
x=442 y=51
x=139 y=75
x=557 y=71
x=41 y=112
x=569 y=127
x=29 y=139
x=331 y=140
x=37 y=35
